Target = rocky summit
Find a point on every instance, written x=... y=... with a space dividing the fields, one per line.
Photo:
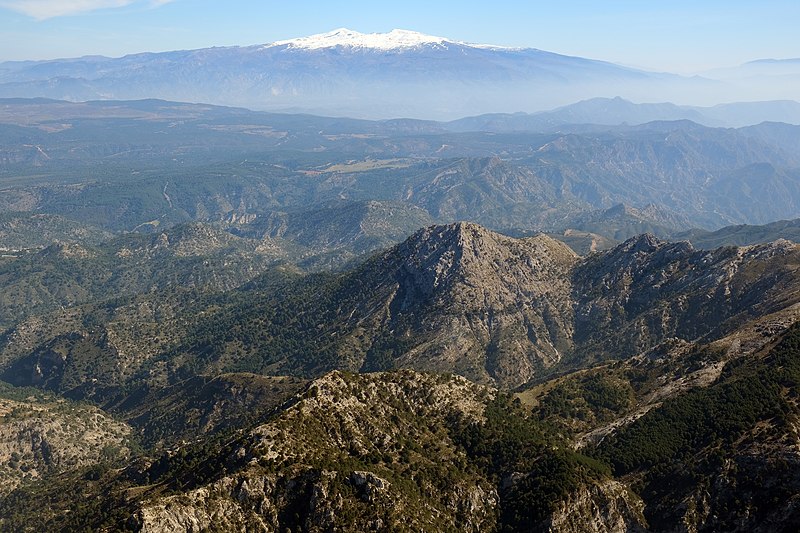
x=476 y=302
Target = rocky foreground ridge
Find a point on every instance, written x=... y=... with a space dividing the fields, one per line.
x=692 y=438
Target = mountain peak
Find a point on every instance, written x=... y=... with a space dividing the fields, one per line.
x=466 y=253
x=343 y=37
x=352 y=39
x=451 y=241
x=646 y=242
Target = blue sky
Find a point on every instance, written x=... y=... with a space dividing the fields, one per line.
x=677 y=35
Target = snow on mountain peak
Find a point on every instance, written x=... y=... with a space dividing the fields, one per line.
x=395 y=39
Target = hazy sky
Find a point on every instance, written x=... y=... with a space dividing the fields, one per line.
x=676 y=35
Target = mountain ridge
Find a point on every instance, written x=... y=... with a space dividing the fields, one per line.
x=450 y=298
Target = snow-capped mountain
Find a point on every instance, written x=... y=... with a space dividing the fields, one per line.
x=344 y=72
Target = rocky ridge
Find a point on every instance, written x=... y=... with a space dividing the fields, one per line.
x=339 y=458
x=455 y=298
x=647 y=291
x=352 y=455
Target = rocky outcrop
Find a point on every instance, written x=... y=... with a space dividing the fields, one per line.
x=354 y=453
x=312 y=501
x=605 y=507
x=644 y=291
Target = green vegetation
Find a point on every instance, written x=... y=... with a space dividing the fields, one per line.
x=21 y=394
x=509 y=444
x=590 y=398
x=747 y=393
x=698 y=442
x=202 y=406
x=95 y=501
x=66 y=275
x=230 y=210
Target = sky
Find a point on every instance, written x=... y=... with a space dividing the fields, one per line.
x=680 y=36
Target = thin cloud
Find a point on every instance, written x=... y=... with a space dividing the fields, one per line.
x=45 y=9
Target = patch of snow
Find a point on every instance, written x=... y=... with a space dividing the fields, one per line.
x=394 y=40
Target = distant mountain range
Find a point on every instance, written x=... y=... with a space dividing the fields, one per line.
x=743 y=234
x=763 y=79
x=400 y=73
x=617 y=111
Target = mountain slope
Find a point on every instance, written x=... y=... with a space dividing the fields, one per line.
x=146 y=166
x=194 y=257
x=622 y=222
x=454 y=297
x=722 y=456
x=459 y=298
x=337 y=232
x=202 y=406
x=645 y=351
x=647 y=291
x=20 y=231
x=436 y=451
x=594 y=111
x=43 y=436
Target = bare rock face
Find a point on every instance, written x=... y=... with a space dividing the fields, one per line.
x=460 y=298
x=490 y=307
x=229 y=505
x=599 y=508
x=644 y=291
x=326 y=500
